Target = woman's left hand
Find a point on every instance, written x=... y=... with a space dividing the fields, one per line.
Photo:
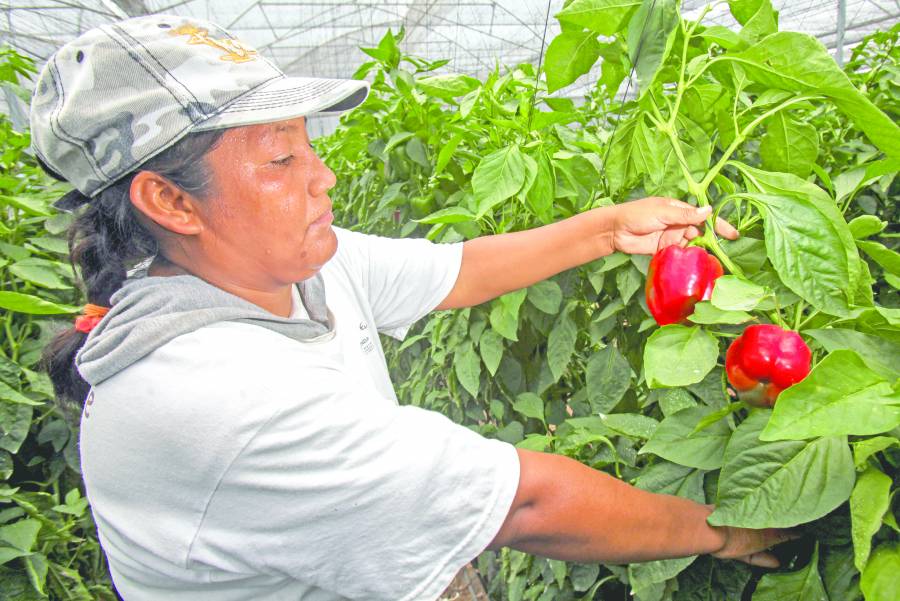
x=645 y=226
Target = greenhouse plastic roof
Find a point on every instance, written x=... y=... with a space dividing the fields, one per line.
x=322 y=37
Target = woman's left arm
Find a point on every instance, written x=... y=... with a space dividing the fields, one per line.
x=495 y=265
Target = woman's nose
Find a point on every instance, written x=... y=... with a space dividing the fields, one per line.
x=323 y=179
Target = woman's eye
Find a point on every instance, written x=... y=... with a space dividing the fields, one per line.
x=283 y=161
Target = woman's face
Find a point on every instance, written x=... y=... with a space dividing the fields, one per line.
x=269 y=210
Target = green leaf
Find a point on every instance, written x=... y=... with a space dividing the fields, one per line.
x=780 y=484
x=887 y=258
x=15 y=419
x=733 y=293
x=789 y=145
x=491 y=347
x=504 y=315
x=447 y=86
x=455 y=214
x=668 y=478
x=717 y=415
x=676 y=441
x=706 y=313
x=879 y=580
x=535 y=442
x=26 y=303
x=499 y=176
x=606 y=17
x=512 y=433
x=6 y=466
x=467 y=366
x=541 y=194
x=417 y=152
x=530 y=405
x=395 y=140
x=635 y=151
x=58 y=246
x=21 y=535
x=673 y=400
x=761 y=23
x=724 y=37
x=840 y=396
x=864 y=449
x=36 y=565
x=880 y=354
x=628 y=281
x=648 y=576
x=446 y=153
x=797 y=62
x=570 y=55
x=802 y=585
x=711 y=579
x=8 y=554
x=27 y=204
x=561 y=344
x=869 y=502
x=810 y=247
x=748 y=253
x=865 y=226
x=546 y=296
x=677 y=355
x=651 y=32
x=608 y=377
x=633 y=425
x=11 y=395
x=841 y=578
x=40 y=272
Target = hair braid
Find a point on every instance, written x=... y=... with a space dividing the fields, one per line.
x=107 y=239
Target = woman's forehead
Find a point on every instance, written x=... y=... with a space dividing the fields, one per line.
x=266 y=133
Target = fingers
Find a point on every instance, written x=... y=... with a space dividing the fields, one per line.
x=762 y=559
x=671 y=236
x=676 y=212
x=691 y=232
x=725 y=229
x=776 y=536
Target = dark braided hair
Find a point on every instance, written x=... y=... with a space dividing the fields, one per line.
x=107 y=239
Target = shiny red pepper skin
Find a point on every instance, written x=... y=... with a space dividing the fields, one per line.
x=765 y=360
x=677 y=280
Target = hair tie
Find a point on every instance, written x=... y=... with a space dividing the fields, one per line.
x=90 y=317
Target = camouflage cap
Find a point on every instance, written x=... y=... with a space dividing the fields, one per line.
x=123 y=92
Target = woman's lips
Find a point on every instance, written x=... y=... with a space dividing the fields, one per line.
x=326 y=219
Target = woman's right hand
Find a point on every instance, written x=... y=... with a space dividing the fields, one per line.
x=751 y=546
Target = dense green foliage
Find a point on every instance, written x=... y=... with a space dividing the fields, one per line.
x=763 y=125
x=48 y=542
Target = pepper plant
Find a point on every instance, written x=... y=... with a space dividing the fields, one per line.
x=763 y=125
x=48 y=541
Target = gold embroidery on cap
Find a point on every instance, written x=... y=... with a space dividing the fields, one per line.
x=235 y=51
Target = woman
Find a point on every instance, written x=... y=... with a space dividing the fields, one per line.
x=240 y=438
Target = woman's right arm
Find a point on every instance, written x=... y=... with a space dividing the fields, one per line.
x=566 y=510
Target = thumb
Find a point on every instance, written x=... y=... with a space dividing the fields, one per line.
x=684 y=214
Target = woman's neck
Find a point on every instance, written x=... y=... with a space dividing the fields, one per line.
x=278 y=301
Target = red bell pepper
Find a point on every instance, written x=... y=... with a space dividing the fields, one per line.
x=677 y=280
x=765 y=360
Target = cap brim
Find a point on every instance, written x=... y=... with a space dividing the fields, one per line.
x=289 y=98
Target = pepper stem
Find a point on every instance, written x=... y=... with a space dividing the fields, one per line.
x=709 y=240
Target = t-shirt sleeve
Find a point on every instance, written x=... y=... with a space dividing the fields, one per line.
x=358 y=496
x=405 y=278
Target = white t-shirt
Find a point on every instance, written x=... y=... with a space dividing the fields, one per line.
x=234 y=463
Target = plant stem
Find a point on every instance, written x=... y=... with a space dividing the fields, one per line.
x=742 y=135
x=798 y=314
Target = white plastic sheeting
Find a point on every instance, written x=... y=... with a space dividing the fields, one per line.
x=322 y=37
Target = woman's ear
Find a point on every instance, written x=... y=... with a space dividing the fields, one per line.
x=166 y=204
